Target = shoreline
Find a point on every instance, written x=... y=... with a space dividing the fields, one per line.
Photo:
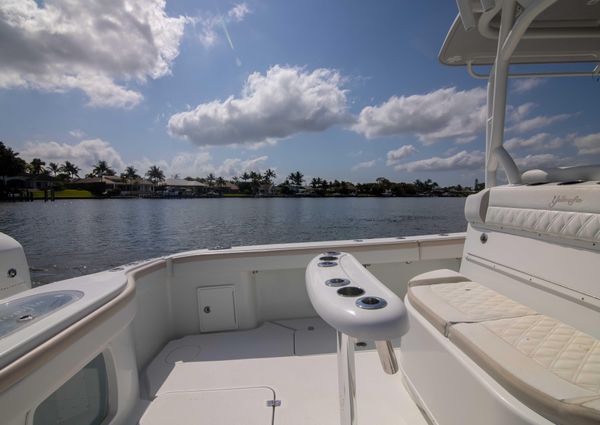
x=230 y=196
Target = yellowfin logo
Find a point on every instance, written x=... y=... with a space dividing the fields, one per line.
x=562 y=199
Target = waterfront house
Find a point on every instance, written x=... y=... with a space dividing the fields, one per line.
x=181 y=187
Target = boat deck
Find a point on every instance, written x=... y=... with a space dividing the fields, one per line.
x=284 y=372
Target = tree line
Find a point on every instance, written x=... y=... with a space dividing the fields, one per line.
x=250 y=182
x=12 y=165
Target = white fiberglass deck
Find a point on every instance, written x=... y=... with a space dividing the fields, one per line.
x=233 y=378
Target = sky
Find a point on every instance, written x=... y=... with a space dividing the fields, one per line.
x=344 y=89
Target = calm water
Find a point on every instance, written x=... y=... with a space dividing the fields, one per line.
x=69 y=238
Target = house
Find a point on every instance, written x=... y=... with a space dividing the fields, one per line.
x=181 y=187
x=229 y=187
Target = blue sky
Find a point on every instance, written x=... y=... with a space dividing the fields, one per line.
x=339 y=89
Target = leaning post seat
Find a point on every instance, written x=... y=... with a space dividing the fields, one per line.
x=549 y=366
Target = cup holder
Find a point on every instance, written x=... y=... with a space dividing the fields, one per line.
x=337 y=282
x=371 y=303
x=336 y=253
x=328 y=258
x=327 y=264
x=350 y=291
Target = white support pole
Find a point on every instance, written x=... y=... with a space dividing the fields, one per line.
x=509 y=35
x=498 y=86
x=490 y=176
x=346 y=378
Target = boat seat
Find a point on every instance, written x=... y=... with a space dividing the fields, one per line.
x=445 y=304
x=553 y=368
x=550 y=366
x=437 y=276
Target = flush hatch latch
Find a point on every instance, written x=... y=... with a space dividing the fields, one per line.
x=273 y=403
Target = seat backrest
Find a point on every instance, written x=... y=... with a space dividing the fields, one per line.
x=523 y=239
x=564 y=214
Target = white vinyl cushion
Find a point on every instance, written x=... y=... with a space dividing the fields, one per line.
x=444 y=304
x=567 y=212
x=563 y=350
x=551 y=367
x=437 y=276
x=563 y=224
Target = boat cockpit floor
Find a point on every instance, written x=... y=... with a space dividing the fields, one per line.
x=283 y=372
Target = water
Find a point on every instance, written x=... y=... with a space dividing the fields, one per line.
x=69 y=238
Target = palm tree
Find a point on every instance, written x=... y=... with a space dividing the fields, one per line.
x=129 y=176
x=296 y=178
x=220 y=183
x=36 y=166
x=53 y=168
x=210 y=180
x=102 y=169
x=256 y=179
x=155 y=174
x=246 y=176
x=10 y=163
x=70 y=169
x=130 y=173
x=269 y=176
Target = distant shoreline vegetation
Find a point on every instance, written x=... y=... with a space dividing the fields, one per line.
x=20 y=180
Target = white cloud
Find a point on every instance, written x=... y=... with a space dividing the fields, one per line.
x=588 y=145
x=284 y=101
x=95 y=47
x=519 y=113
x=438 y=115
x=461 y=160
x=538 y=141
x=393 y=157
x=211 y=24
x=538 y=122
x=238 y=12
x=77 y=134
x=535 y=161
x=365 y=164
x=526 y=84
x=200 y=164
x=84 y=154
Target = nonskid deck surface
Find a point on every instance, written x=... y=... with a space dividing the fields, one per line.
x=235 y=377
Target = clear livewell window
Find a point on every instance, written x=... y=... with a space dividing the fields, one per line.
x=82 y=400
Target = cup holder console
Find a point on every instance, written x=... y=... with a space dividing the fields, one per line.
x=348 y=297
x=359 y=307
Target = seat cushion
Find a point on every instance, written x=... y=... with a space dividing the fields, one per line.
x=550 y=366
x=445 y=304
x=437 y=276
